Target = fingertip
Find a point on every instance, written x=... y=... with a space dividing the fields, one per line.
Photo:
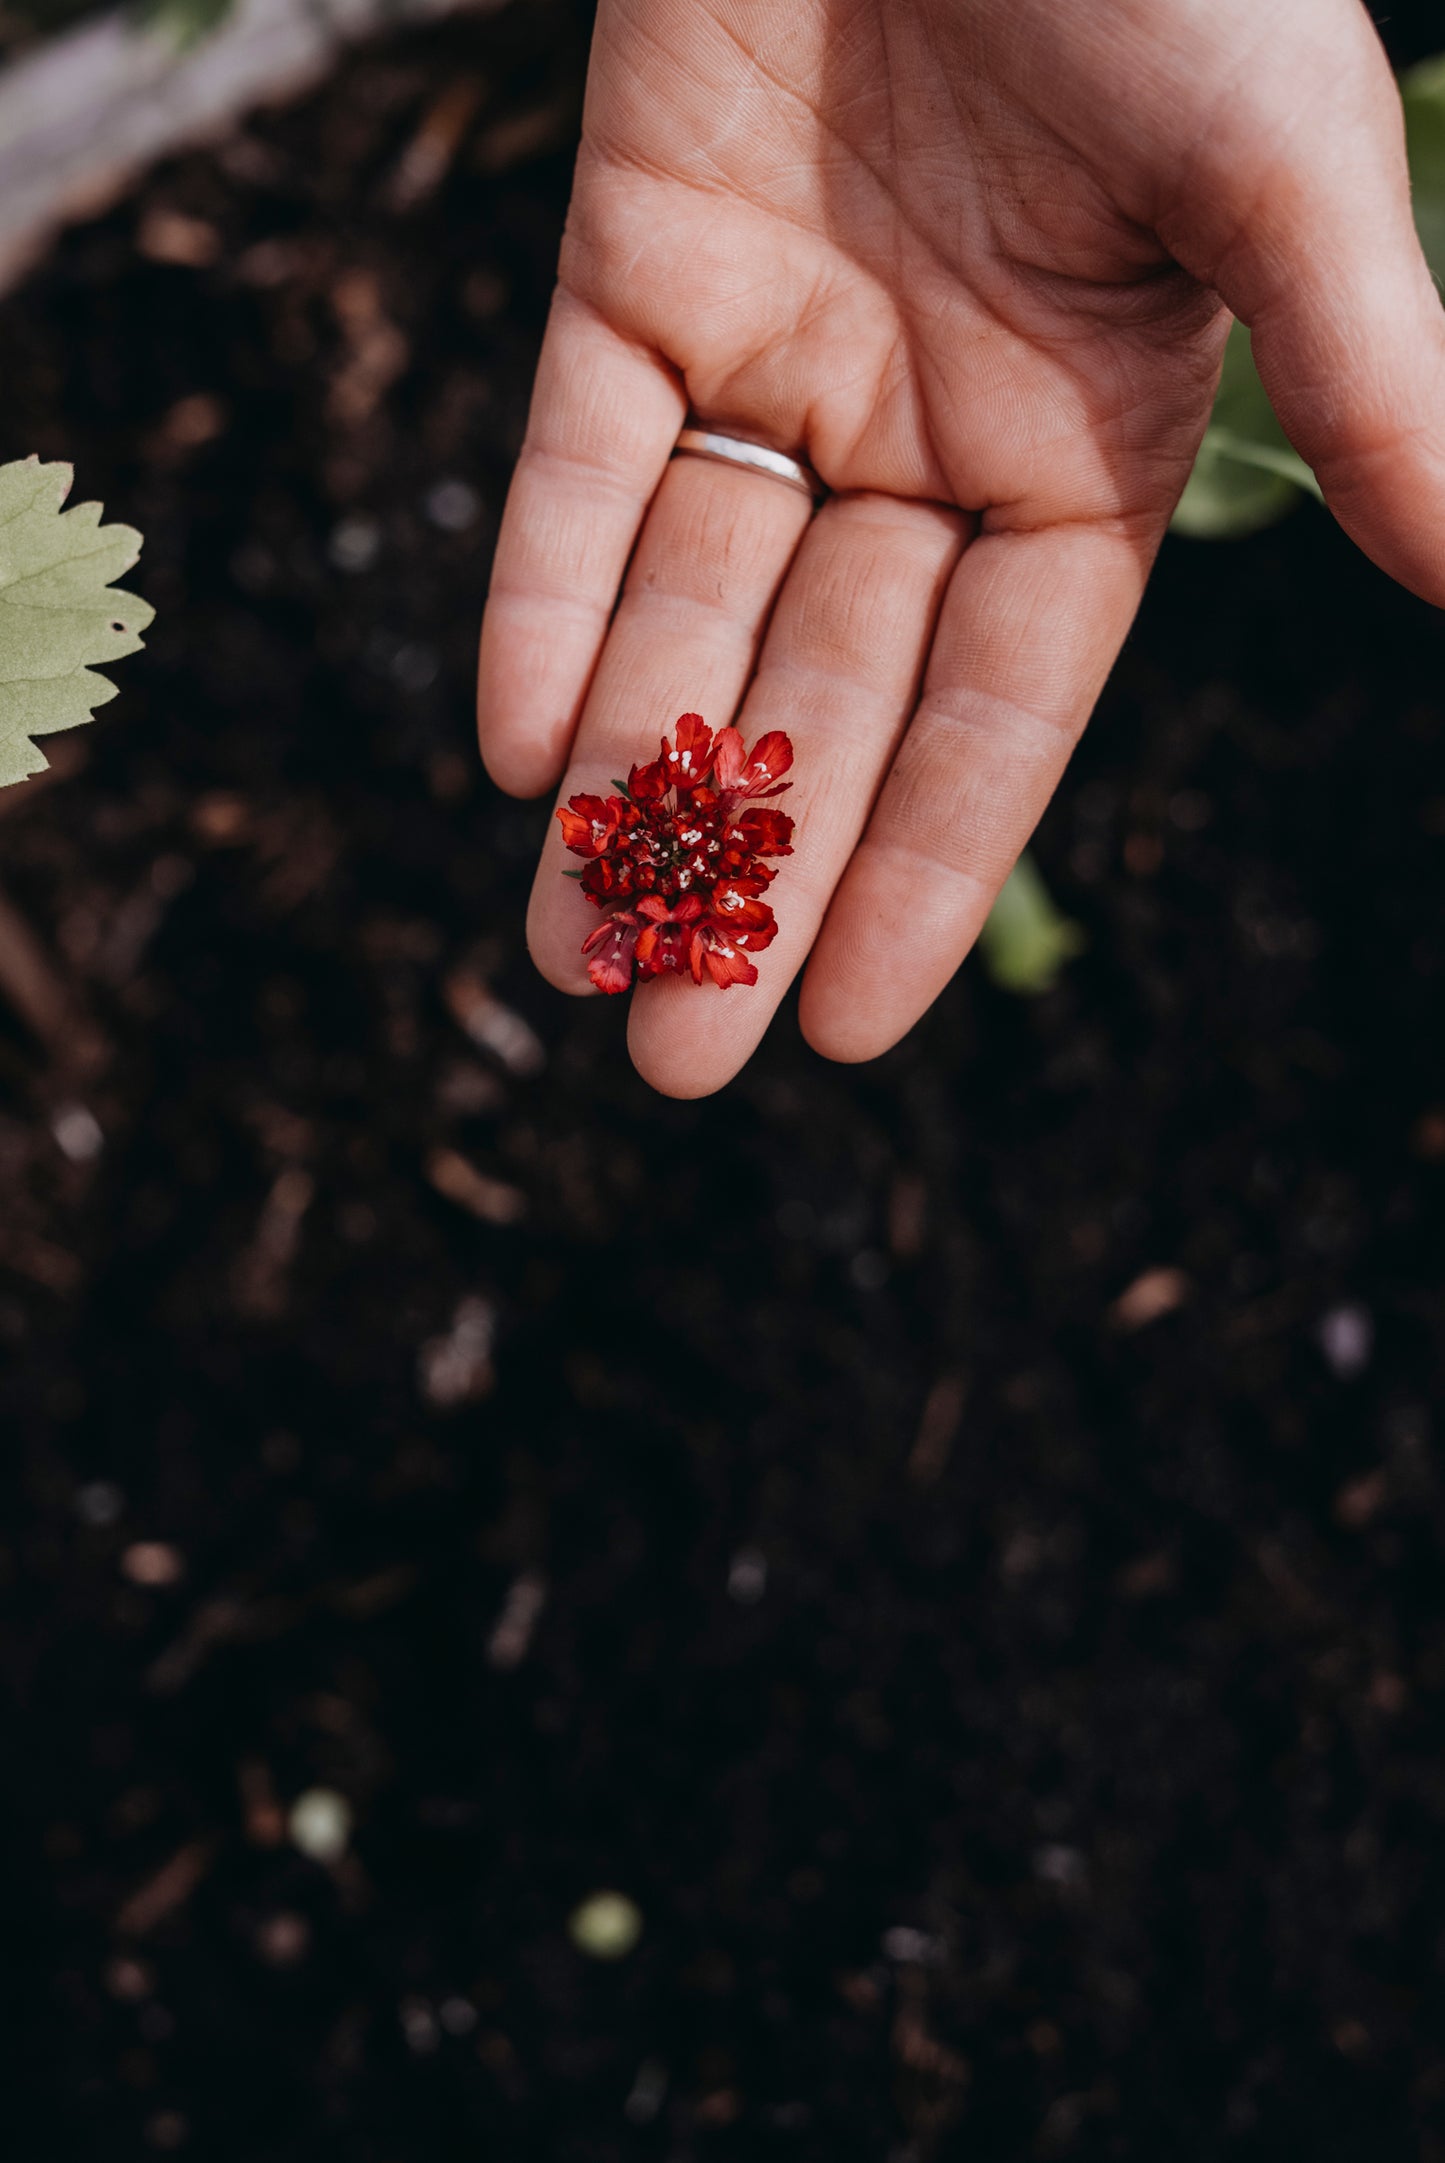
x=884 y=954
x=557 y=925
x=672 y=1076
x=841 y=1033
x=524 y=770
x=527 y=706
x=563 y=978
x=689 y=1040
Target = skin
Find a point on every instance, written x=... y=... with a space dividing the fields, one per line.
x=974 y=260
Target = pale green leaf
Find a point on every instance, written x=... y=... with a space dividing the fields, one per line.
x=1278 y=459
x=1026 y=942
x=183 y=22
x=1247 y=473
x=1422 y=90
x=60 y=615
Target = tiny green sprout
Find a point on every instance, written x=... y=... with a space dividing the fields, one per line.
x=1026 y=942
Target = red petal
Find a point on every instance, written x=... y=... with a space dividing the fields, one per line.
x=771 y=757
x=612 y=947
x=588 y=824
x=607 y=878
x=622 y=920
x=726 y=965
x=766 y=833
x=713 y=950
x=661 y=949
x=685 y=910
x=688 y=765
x=736 y=908
x=754 y=937
x=648 y=784
x=729 y=758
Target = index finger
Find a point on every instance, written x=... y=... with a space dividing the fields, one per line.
x=606 y=413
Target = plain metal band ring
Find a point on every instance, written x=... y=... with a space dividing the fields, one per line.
x=728 y=450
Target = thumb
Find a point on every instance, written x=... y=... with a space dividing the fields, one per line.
x=1308 y=236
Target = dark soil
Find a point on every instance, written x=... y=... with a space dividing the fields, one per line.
x=1017 y=1720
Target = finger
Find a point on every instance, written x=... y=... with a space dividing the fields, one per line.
x=711 y=557
x=1307 y=232
x=839 y=672
x=1027 y=634
x=605 y=416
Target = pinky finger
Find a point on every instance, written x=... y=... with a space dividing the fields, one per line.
x=605 y=415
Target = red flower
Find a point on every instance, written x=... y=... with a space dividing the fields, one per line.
x=724 y=960
x=675 y=846
x=690 y=763
x=609 y=878
x=647 y=784
x=589 y=822
x=736 y=910
x=765 y=833
x=663 y=940
x=741 y=775
x=613 y=947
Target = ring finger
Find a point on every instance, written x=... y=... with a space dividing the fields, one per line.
x=839 y=674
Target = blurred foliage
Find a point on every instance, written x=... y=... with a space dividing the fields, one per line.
x=1246 y=475
x=182 y=20
x=1423 y=92
x=1026 y=942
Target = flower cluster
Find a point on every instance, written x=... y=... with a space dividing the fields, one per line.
x=676 y=858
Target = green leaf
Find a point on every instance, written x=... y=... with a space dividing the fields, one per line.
x=1422 y=90
x=1247 y=473
x=59 y=613
x=1026 y=942
x=1284 y=462
x=184 y=22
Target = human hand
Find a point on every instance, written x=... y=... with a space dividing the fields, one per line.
x=967 y=257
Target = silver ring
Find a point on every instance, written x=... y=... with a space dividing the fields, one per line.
x=752 y=457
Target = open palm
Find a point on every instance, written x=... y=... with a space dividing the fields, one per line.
x=968 y=259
